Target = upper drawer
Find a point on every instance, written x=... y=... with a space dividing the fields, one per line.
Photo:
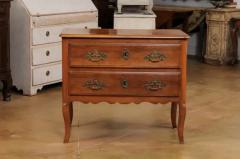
x=44 y=35
x=122 y=55
x=47 y=54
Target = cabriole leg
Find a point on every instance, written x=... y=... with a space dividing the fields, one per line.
x=174 y=115
x=67 y=120
x=181 y=121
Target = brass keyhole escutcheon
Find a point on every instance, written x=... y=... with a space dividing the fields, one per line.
x=47 y=33
x=125 y=54
x=124 y=83
x=47 y=53
x=47 y=73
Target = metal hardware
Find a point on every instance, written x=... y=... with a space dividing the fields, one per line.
x=47 y=73
x=47 y=33
x=95 y=56
x=155 y=56
x=125 y=54
x=154 y=85
x=94 y=85
x=124 y=83
x=47 y=53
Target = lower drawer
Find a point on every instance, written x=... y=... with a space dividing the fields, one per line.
x=47 y=74
x=124 y=83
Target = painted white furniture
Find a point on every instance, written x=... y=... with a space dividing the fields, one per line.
x=147 y=3
x=134 y=21
x=36 y=49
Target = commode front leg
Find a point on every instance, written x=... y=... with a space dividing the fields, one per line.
x=181 y=121
x=66 y=108
x=174 y=114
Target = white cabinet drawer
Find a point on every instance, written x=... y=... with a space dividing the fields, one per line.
x=44 y=35
x=46 y=54
x=47 y=74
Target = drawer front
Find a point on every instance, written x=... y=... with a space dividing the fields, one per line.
x=47 y=74
x=47 y=54
x=123 y=55
x=44 y=35
x=124 y=83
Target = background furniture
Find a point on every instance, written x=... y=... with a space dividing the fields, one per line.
x=219 y=48
x=105 y=12
x=192 y=20
x=184 y=18
x=35 y=42
x=148 y=4
x=124 y=66
x=5 y=73
x=130 y=20
x=234 y=36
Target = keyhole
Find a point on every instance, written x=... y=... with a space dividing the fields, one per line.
x=47 y=53
x=125 y=54
x=47 y=73
x=47 y=33
x=125 y=84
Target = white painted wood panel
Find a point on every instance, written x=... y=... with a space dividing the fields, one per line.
x=61 y=19
x=50 y=34
x=134 y=21
x=49 y=7
x=47 y=74
x=44 y=54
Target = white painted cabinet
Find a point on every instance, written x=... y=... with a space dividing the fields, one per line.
x=36 y=49
x=134 y=21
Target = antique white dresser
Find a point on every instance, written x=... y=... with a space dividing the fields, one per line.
x=35 y=42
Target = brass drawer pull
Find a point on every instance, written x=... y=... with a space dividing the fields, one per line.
x=125 y=54
x=124 y=83
x=154 y=85
x=155 y=56
x=94 y=85
x=95 y=56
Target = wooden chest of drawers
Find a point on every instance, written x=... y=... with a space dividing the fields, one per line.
x=124 y=66
x=5 y=73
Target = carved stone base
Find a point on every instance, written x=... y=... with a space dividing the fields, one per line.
x=219 y=43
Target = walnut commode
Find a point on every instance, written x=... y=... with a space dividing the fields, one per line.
x=124 y=66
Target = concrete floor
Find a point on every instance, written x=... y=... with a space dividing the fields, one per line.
x=32 y=127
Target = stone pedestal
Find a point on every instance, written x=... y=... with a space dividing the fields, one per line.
x=219 y=45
